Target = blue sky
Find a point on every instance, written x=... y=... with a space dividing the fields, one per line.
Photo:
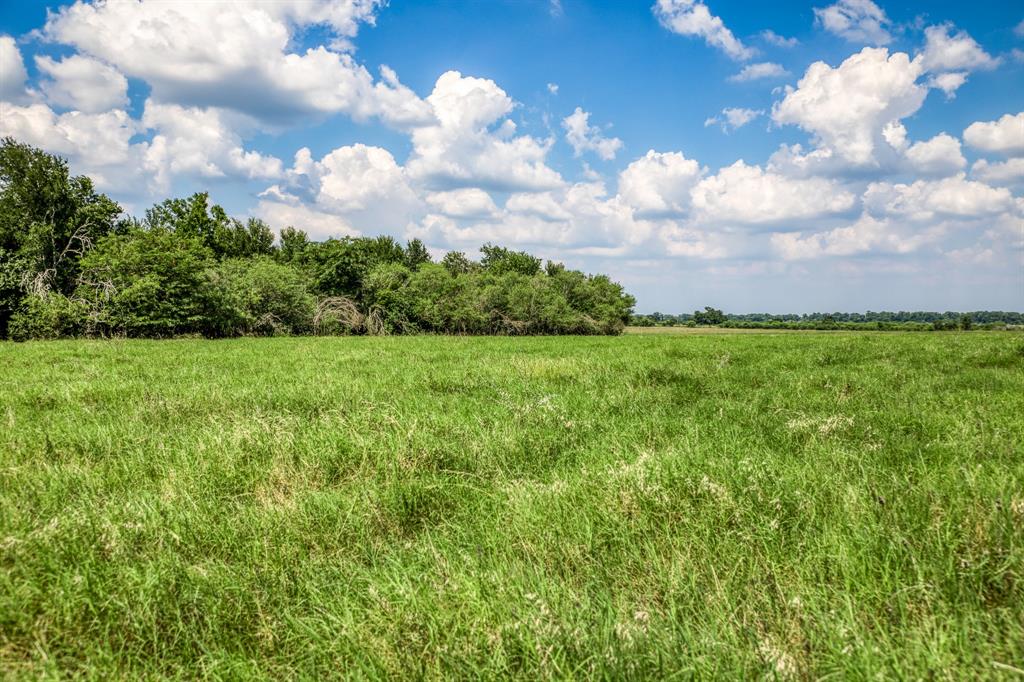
x=786 y=157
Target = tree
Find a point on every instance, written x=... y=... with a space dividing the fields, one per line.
x=709 y=316
x=416 y=254
x=293 y=245
x=48 y=221
x=499 y=260
x=148 y=282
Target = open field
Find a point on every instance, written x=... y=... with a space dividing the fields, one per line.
x=789 y=505
x=680 y=330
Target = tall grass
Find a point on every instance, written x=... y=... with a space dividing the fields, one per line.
x=643 y=506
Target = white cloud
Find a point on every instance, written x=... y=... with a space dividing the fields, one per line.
x=864 y=235
x=925 y=200
x=463 y=203
x=692 y=18
x=758 y=71
x=749 y=195
x=733 y=118
x=846 y=107
x=1010 y=171
x=202 y=142
x=948 y=82
x=468 y=148
x=83 y=83
x=775 y=39
x=946 y=50
x=858 y=21
x=659 y=183
x=236 y=56
x=901 y=218
x=98 y=145
x=317 y=224
x=1005 y=135
x=938 y=156
x=553 y=88
x=12 y=71
x=352 y=189
x=585 y=137
x=1019 y=29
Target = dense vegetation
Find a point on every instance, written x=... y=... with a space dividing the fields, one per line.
x=734 y=506
x=874 y=321
x=71 y=264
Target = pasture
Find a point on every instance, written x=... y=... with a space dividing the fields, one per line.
x=663 y=505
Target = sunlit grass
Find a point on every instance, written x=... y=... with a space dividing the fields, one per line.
x=792 y=505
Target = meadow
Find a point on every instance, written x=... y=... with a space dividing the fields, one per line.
x=646 y=506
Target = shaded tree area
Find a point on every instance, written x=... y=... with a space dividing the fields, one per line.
x=72 y=264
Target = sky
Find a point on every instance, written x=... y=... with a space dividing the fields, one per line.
x=779 y=157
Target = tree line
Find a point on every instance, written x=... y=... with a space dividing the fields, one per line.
x=72 y=264
x=884 y=320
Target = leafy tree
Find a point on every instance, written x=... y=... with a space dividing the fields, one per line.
x=226 y=237
x=293 y=245
x=456 y=263
x=709 y=316
x=498 y=260
x=148 y=282
x=48 y=220
x=416 y=254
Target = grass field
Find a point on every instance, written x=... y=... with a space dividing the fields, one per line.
x=779 y=505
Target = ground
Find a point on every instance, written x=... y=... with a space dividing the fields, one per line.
x=738 y=505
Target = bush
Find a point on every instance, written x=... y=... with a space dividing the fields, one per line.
x=49 y=316
x=148 y=283
x=257 y=297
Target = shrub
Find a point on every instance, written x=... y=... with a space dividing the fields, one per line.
x=49 y=316
x=259 y=297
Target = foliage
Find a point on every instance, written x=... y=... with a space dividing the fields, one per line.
x=150 y=283
x=48 y=220
x=259 y=297
x=69 y=265
x=709 y=316
x=49 y=316
x=724 y=506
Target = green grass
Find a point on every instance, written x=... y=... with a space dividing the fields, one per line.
x=791 y=505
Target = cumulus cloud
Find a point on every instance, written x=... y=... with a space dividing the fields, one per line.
x=732 y=118
x=947 y=49
x=98 y=145
x=659 y=183
x=202 y=142
x=83 y=83
x=938 y=156
x=749 y=195
x=1005 y=136
x=846 y=107
x=463 y=203
x=901 y=218
x=362 y=187
x=1006 y=172
x=759 y=71
x=12 y=71
x=553 y=88
x=237 y=56
x=584 y=137
x=468 y=147
x=865 y=234
x=692 y=18
x=925 y=200
x=949 y=82
x=858 y=21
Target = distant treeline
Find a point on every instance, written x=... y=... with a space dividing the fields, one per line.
x=884 y=320
x=72 y=264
